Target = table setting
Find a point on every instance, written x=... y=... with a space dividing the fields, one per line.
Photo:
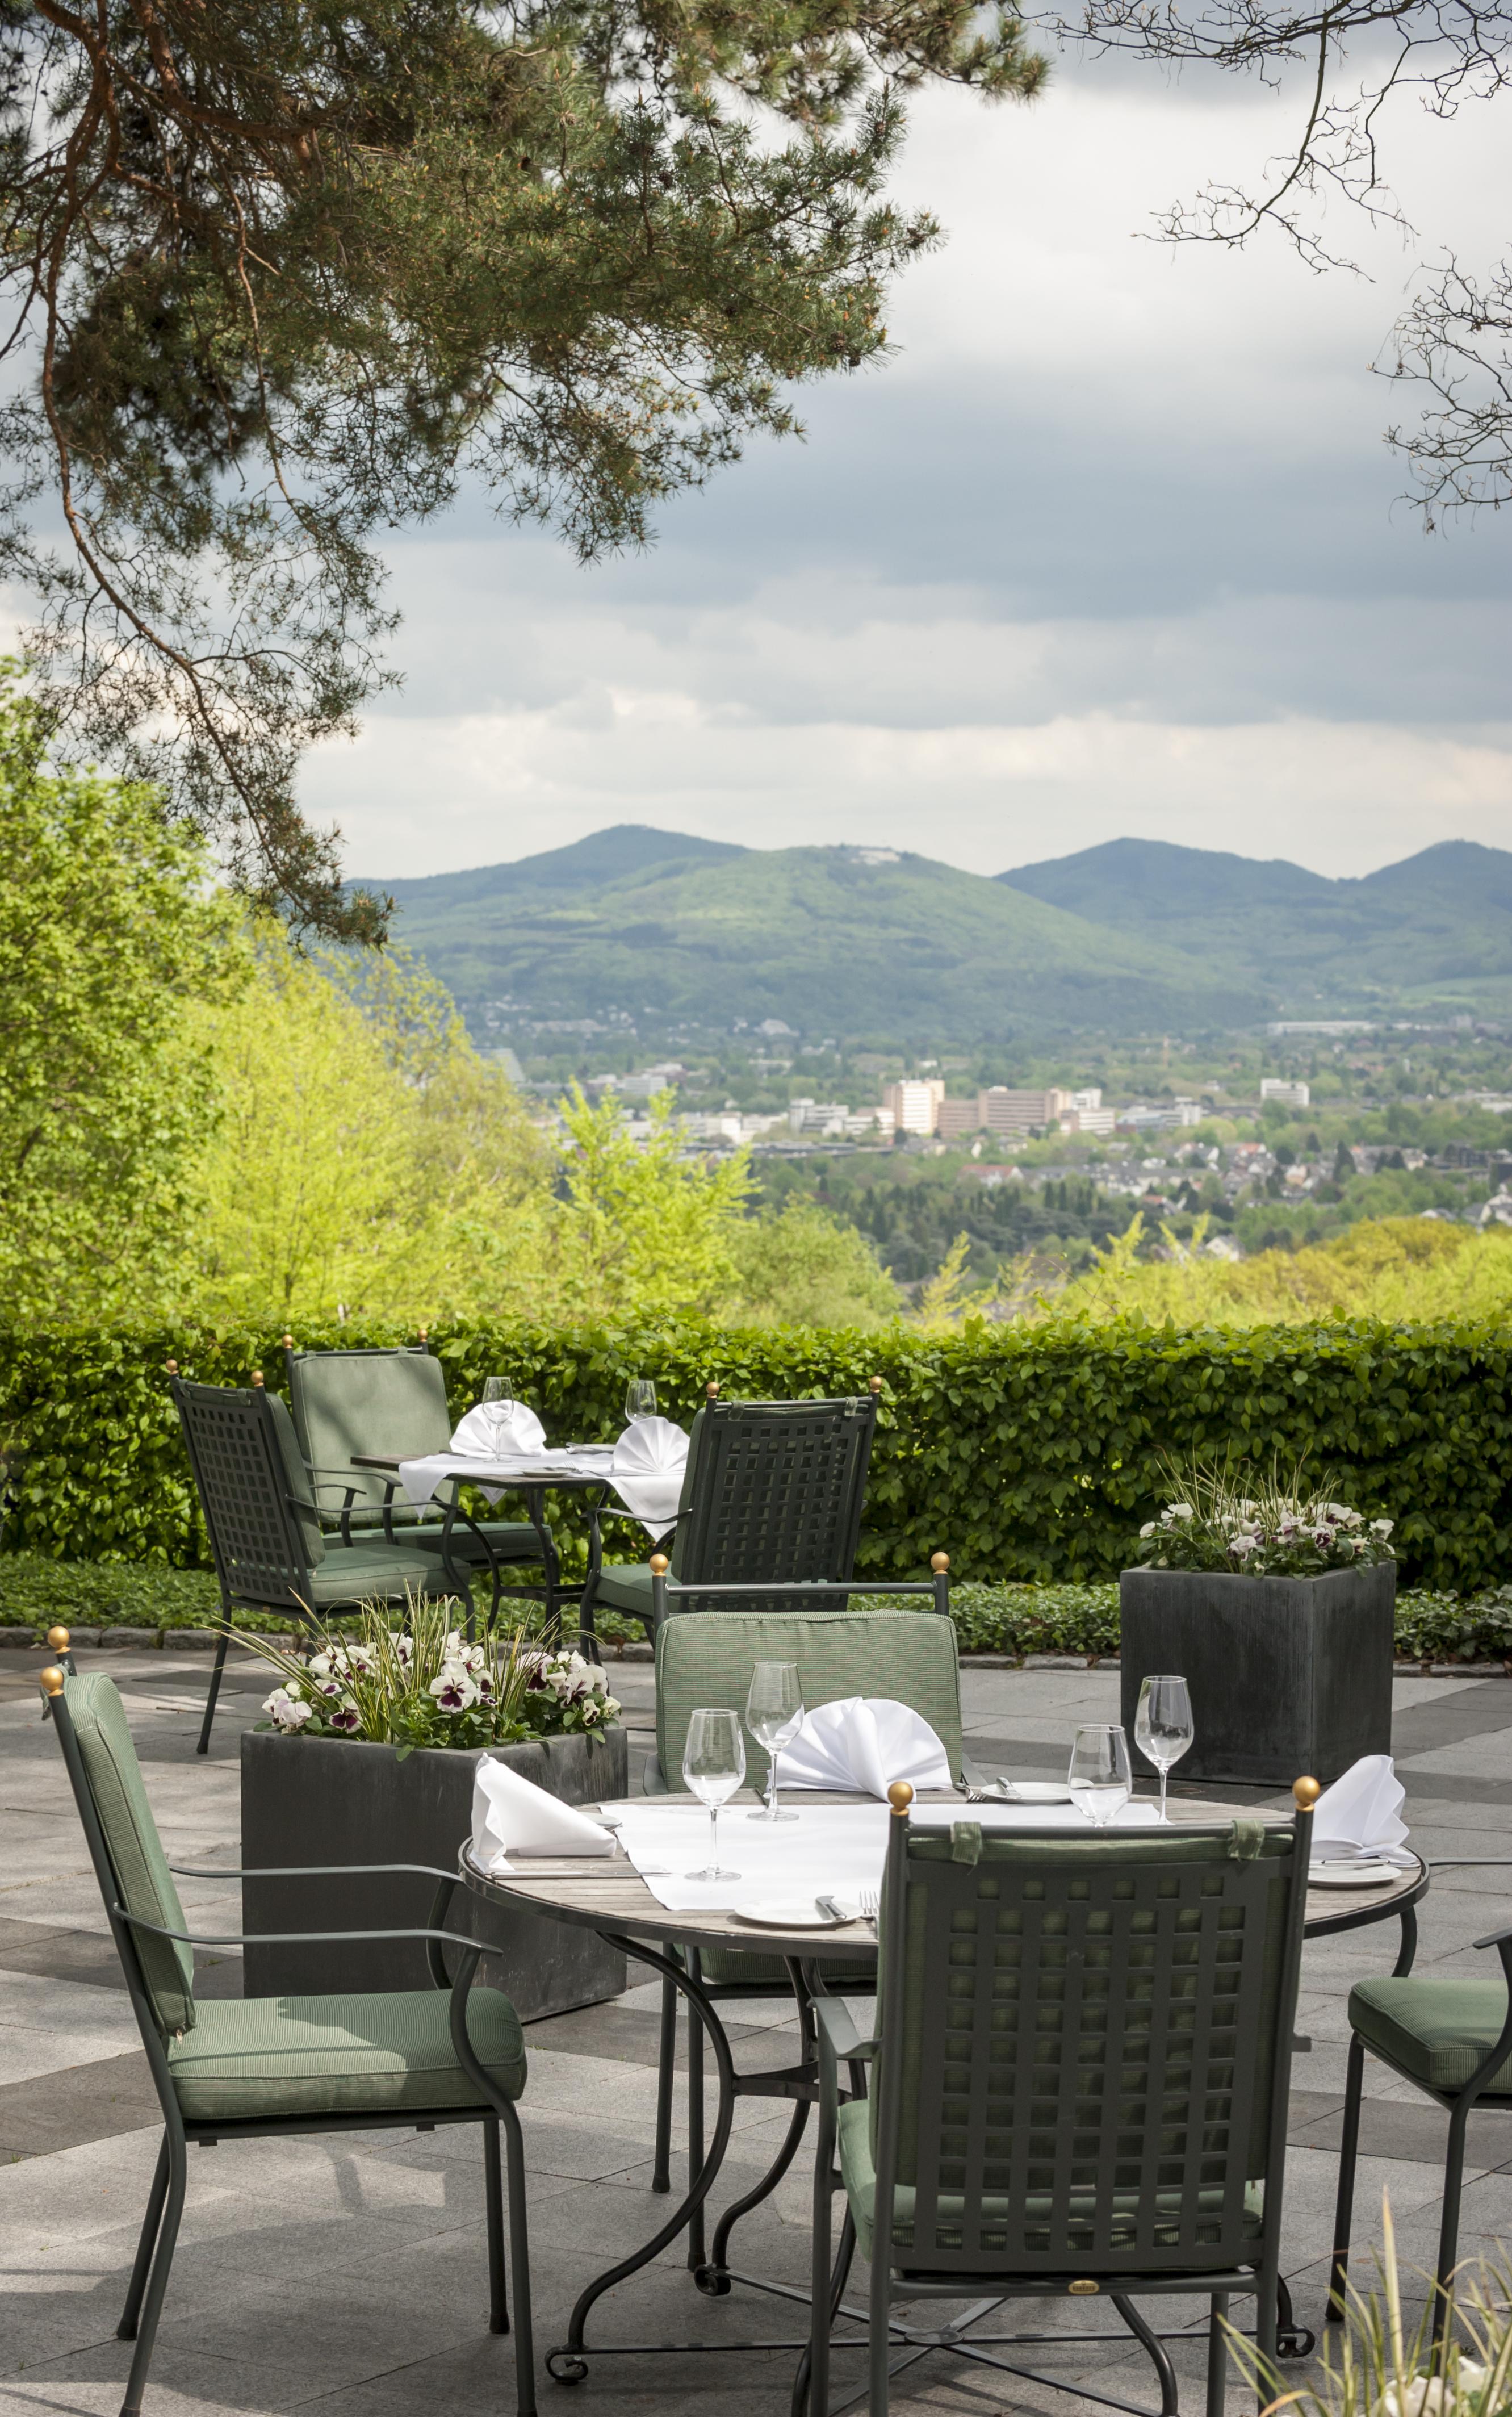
x=501 y=1443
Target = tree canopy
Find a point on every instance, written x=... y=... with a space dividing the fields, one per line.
x=287 y=275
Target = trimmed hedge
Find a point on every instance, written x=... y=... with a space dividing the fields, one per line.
x=1032 y=1453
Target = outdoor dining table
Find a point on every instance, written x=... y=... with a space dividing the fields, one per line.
x=608 y=1894
x=581 y=1469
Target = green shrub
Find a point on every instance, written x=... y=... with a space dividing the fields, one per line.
x=1025 y=1452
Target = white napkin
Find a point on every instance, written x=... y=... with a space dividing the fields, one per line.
x=864 y=1742
x=1361 y=1814
x=513 y=1816
x=495 y=1427
x=646 y=1471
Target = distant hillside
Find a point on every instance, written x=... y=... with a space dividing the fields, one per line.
x=1433 y=930
x=678 y=931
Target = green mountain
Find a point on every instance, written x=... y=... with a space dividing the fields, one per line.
x=681 y=934
x=1434 y=931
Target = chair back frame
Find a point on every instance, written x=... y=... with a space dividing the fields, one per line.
x=259 y=1555
x=776 y=1490
x=330 y=1429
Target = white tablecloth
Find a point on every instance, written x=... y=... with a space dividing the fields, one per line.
x=830 y=1849
x=424 y=1479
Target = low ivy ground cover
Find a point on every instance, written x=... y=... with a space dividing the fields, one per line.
x=1016 y=1619
x=1027 y=1452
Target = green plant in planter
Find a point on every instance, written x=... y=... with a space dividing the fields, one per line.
x=1229 y=1516
x=426 y=1685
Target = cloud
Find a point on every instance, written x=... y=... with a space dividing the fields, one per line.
x=1109 y=545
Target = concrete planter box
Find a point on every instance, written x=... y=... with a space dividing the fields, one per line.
x=1288 y=1676
x=342 y=1801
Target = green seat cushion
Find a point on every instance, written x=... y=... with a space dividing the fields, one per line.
x=626 y=1587
x=268 y=2056
x=1075 y=2231
x=1438 y=2030
x=147 y=1884
x=706 y=1657
x=376 y=1573
x=511 y=1540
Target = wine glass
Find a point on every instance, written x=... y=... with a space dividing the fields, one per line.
x=1099 y=1779
x=498 y=1400
x=640 y=1399
x=714 y=1765
x=1163 y=1728
x=774 y=1715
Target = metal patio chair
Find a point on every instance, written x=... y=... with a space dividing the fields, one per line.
x=239 y=2069
x=270 y=1552
x=772 y=1490
x=395 y=1402
x=1078 y=2087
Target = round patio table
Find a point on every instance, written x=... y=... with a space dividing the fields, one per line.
x=609 y=1895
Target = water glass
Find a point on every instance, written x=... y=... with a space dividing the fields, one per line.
x=498 y=1400
x=640 y=1398
x=1099 y=1779
x=774 y=1715
x=1163 y=1728
x=714 y=1765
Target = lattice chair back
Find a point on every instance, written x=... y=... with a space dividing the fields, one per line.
x=370 y=1402
x=1085 y=2045
x=264 y=1528
x=774 y=1490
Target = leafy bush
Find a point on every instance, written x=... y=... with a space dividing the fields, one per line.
x=1034 y=1453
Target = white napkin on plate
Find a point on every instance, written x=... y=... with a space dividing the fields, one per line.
x=864 y=1742
x=513 y=1816
x=646 y=1471
x=1361 y=1814
x=495 y=1427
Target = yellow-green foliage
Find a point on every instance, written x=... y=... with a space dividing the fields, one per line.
x=1412 y=1269
x=805 y=1268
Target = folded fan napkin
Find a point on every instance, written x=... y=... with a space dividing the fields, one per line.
x=1360 y=1815
x=866 y=1742
x=513 y=1816
x=646 y=1471
x=495 y=1427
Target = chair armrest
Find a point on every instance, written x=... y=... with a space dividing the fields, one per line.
x=1496 y=1938
x=301 y=1871
x=288 y=1937
x=803 y=1587
x=833 y=2016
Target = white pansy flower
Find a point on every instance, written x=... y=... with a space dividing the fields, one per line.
x=453 y=1689
x=319 y=1666
x=1381 y=1528
x=1242 y=1544
x=1149 y=1529
x=1181 y=1510
x=286 y=1708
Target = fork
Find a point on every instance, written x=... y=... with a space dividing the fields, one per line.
x=998 y=1791
x=869 y=1901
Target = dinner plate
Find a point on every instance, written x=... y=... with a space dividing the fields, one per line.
x=1372 y=1874
x=1038 y=1791
x=790 y=1913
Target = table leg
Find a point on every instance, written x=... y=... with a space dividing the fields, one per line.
x=564 y=2363
x=587 y=1633
x=714 y=2277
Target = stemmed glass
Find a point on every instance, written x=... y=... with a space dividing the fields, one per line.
x=1099 y=1779
x=714 y=1765
x=498 y=1400
x=774 y=1715
x=1163 y=1728
x=640 y=1399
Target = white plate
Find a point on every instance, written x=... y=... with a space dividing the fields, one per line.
x=1038 y=1791
x=788 y=1913
x=1356 y=1875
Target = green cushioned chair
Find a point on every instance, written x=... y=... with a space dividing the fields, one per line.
x=772 y=1491
x=231 y=2069
x=266 y=1536
x=392 y=1402
x=706 y=1658
x=1452 y=2039
x=1077 y=2086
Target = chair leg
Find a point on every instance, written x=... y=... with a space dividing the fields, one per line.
x=520 y=2264
x=821 y=2285
x=127 y=2329
x=493 y=2191
x=697 y=2255
x=879 y=2340
x=1349 y=2147
x=1454 y=2183
x=204 y=1746
x=1217 y=2353
x=666 y=2081
x=151 y=2308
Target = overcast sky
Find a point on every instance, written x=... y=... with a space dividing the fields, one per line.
x=1111 y=545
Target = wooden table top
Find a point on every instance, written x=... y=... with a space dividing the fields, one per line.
x=607 y=1893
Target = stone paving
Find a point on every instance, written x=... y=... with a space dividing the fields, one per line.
x=348 y=2275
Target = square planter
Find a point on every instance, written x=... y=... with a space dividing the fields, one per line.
x=1289 y=1677
x=342 y=1801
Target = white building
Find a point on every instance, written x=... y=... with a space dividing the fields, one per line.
x=915 y=1106
x=1286 y=1095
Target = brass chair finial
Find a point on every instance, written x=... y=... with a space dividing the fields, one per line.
x=1305 y=1794
x=899 y=1796
x=257 y=1376
x=874 y=1384
x=939 y=1563
x=51 y=1680
x=712 y=1390
x=288 y=1343
x=172 y=1366
x=59 y=1640
x=659 y=1565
